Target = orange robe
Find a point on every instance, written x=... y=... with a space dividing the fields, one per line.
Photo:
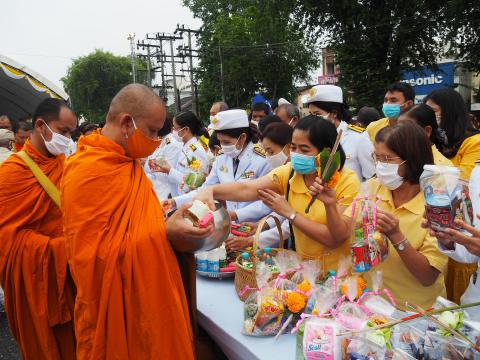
x=130 y=299
x=39 y=292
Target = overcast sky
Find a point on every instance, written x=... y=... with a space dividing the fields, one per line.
x=46 y=35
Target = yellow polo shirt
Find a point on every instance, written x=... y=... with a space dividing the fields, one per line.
x=466 y=156
x=346 y=189
x=439 y=159
x=375 y=126
x=396 y=277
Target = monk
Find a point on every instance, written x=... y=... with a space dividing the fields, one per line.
x=130 y=300
x=39 y=292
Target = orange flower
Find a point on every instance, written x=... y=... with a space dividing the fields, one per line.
x=304 y=286
x=334 y=180
x=296 y=302
x=361 y=285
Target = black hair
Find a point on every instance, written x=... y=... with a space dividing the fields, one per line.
x=321 y=133
x=410 y=142
x=88 y=127
x=49 y=110
x=267 y=120
x=21 y=125
x=213 y=142
x=235 y=133
x=454 y=119
x=403 y=87
x=425 y=116
x=190 y=120
x=278 y=133
x=167 y=126
x=340 y=109
x=261 y=107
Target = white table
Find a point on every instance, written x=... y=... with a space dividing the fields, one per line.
x=220 y=313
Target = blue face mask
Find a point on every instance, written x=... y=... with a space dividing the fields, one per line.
x=303 y=164
x=391 y=111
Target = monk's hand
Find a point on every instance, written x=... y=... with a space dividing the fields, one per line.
x=237 y=243
x=181 y=233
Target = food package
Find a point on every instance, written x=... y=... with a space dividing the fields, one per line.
x=374 y=301
x=199 y=214
x=320 y=340
x=194 y=179
x=369 y=247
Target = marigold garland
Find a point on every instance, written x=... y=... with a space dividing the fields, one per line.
x=296 y=302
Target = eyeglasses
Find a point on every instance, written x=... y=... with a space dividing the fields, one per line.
x=384 y=158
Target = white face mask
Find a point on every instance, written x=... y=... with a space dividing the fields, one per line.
x=176 y=136
x=231 y=150
x=277 y=160
x=388 y=176
x=59 y=144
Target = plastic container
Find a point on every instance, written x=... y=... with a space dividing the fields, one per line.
x=213 y=261
x=202 y=262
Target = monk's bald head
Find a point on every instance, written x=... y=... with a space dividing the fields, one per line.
x=137 y=100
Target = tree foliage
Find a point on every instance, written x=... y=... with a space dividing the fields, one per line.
x=374 y=40
x=239 y=31
x=93 y=80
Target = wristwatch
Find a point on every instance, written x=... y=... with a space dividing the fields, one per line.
x=402 y=245
x=292 y=217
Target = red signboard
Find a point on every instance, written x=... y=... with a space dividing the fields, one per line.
x=327 y=79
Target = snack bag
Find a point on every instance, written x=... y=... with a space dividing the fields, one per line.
x=361 y=348
x=264 y=308
x=199 y=214
x=440 y=347
x=369 y=247
x=348 y=313
x=446 y=196
x=320 y=340
x=374 y=301
x=287 y=262
x=193 y=180
x=409 y=339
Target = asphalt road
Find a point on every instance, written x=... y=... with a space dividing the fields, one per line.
x=8 y=346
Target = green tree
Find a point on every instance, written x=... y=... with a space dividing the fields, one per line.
x=375 y=40
x=94 y=79
x=238 y=31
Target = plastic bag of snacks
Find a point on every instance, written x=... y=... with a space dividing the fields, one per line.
x=263 y=308
x=288 y=263
x=193 y=180
x=446 y=196
x=369 y=247
x=374 y=301
x=361 y=348
x=440 y=347
x=410 y=338
x=350 y=314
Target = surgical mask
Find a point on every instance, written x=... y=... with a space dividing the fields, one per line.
x=139 y=145
x=277 y=160
x=58 y=144
x=176 y=136
x=231 y=150
x=388 y=176
x=391 y=111
x=303 y=164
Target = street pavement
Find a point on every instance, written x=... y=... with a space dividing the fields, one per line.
x=8 y=346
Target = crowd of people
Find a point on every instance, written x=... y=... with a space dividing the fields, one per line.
x=91 y=265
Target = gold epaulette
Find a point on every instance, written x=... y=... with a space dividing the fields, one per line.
x=193 y=147
x=356 y=128
x=257 y=149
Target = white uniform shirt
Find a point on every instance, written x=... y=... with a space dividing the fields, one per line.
x=191 y=149
x=252 y=165
x=358 y=150
x=4 y=154
x=168 y=150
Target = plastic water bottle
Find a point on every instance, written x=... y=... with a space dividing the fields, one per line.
x=202 y=262
x=213 y=261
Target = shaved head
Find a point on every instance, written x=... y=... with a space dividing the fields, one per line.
x=137 y=100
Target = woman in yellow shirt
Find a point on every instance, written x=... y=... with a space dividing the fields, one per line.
x=312 y=231
x=463 y=148
x=424 y=116
x=414 y=270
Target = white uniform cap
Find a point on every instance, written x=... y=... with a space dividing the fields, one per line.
x=325 y=93
x=230 y=119
x=282 y=101
x=6 y=135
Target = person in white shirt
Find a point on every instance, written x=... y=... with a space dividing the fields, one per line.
x=326 y=101
x=186 y=128
x=169 y=150
x=6 y=137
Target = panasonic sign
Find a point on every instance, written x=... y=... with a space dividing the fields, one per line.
x=426 y=80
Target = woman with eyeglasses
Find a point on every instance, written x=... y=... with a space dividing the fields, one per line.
x=187 y=128
x=285 y=191
x=414 y=269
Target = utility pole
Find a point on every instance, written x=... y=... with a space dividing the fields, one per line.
x=189 y=52
x=221 y=72
x=131 y=37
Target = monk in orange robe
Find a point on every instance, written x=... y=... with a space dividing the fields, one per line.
x=130 y=300
x=39 y=292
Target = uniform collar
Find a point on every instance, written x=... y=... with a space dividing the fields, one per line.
x=247 y=152
x=193 y=140
x=416 y=205
x=343 y=126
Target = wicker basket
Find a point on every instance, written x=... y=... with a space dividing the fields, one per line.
x=245 y=279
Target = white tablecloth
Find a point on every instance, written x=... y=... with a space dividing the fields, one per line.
x=221 y=315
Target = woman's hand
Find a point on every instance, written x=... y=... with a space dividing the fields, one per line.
x=276 y=202
x=206 y=196
x=238 y=243
x=168 y=205
x=389 y=225
x=322 y=192
x=452 y=236
x=164 y=168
